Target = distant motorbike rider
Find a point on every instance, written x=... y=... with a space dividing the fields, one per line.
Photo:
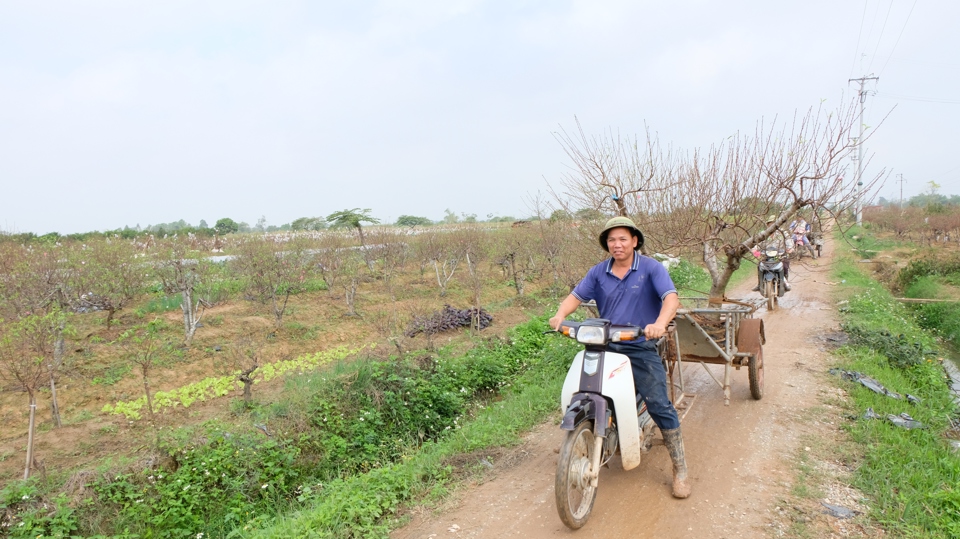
x=800 y=229
x=633 y=290
x=785 y=245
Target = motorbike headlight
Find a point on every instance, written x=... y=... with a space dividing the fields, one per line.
x=591 y=335
x=772 y=253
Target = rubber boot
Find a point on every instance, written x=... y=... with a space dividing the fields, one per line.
x=674 y=442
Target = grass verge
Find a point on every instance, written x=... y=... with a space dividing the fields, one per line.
x=910 y=476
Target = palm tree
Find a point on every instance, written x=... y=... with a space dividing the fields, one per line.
x=352 y=218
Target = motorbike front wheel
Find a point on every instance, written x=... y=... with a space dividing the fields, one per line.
x=574 y=492
x=770 y=292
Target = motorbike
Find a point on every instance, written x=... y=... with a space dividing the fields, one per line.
x=817 y=239
x=770 y=268
x=603 y=416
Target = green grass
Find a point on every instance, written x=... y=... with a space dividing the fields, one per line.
x=942 y=318
x=952 y=279
x=302 y=332
x=910 y=476
x=81 y=416
x=927 y=286
x=111 y=374
x=221 y=289
x=160 y=304
x=934 y=277
x=864 y=243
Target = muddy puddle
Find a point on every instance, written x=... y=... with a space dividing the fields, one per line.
x=793 y=304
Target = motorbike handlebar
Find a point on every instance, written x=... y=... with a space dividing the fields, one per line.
x=614 y=333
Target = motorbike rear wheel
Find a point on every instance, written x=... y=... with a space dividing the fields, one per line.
x=574 y=493
x=770 y=292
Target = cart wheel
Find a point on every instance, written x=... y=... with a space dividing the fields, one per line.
x=756 y=374
x=750 y=339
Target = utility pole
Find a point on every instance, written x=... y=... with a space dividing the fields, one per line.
x=900 y=181
x=863 y=98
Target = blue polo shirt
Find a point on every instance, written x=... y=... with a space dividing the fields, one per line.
x=634 y=300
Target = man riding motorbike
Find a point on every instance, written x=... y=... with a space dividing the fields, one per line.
x=800 y=229
x=785 y=245
x=635 y=290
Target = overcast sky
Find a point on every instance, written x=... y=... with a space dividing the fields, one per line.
x=123 y=113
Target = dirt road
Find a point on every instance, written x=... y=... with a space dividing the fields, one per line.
x=739 y=455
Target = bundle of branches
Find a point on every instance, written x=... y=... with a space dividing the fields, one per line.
x=449 y=318
x=714 y=327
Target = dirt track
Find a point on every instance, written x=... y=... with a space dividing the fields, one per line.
x=739 y=456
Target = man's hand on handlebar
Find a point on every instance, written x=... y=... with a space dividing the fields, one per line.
x=654 y=331
x=555 y=322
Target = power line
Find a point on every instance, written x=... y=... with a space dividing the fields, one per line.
x=945 y=173
x=899 y=36
x=880 y=37
x=916 y=98
x=856 y=53
x=948 y=65
x=869 y=38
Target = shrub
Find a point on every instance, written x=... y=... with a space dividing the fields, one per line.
x=412 y=220
x=943 y=318
x=928 y=265
x=899 y=351
x=216 y=483
x=688 y=277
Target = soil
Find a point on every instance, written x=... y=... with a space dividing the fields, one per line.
x=743 y=458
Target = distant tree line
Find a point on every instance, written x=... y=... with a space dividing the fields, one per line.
x=226 y=225
x=932 y=202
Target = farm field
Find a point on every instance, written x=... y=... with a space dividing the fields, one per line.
x=402 y=296
x=316 y=319
x=370 y=323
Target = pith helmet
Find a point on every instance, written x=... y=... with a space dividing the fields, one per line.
x=620 y=222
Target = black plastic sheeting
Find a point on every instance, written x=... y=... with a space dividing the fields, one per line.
x=872 y=384
x=903 y=420
x=839 y=511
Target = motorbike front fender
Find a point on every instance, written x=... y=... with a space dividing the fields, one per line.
x=584 y=407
